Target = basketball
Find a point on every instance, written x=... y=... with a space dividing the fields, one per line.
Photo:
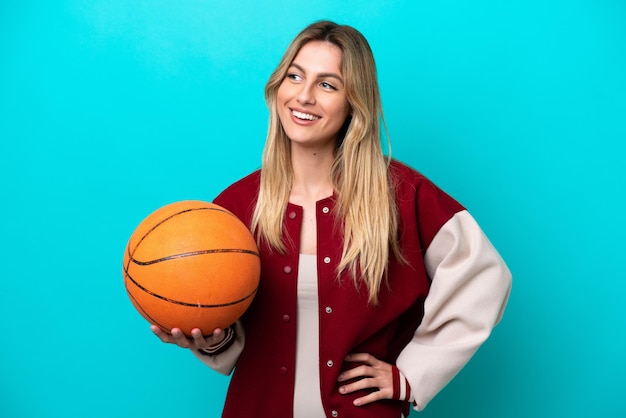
x=191 y=264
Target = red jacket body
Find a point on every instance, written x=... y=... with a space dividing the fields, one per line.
x=262 y=384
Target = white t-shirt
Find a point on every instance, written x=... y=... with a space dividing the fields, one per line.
x=307 y=402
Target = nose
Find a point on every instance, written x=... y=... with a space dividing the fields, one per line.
x=306 y=94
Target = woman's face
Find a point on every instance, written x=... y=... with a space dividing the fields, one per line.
x=311 y=101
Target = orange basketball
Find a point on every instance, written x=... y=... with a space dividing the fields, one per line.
x=191 y=264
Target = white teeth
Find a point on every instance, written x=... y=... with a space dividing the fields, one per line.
x=305 y=116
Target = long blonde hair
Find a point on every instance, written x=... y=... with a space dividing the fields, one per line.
x=360 y=172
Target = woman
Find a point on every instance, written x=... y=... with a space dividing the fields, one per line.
x=376 y=286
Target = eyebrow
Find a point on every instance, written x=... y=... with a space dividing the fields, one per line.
x=320 y=75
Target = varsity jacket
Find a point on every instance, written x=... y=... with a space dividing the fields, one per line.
x=434 y=311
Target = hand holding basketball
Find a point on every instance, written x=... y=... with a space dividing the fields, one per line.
x=196 y=342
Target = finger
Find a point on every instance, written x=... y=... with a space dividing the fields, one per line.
x=203 y=342
x=359 y=371
x=366 y=383
x=159 y=333
x=179 y=338
x=382 y=383
x=372 y=397
x=217 y=336
x=198 y=339
x=363 y=358
x=382 y=391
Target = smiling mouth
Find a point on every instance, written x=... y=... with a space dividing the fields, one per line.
x=304 y=116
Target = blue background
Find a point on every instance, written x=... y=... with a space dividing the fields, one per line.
x=110 y=109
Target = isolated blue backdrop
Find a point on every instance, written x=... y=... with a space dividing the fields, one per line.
x=110 y=109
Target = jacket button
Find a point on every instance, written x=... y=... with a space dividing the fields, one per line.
x=287 y=269
x=292 y=215
x=329 y=363
x=325 y=209
x=286 y=318
x=329 y=309
x=326 y=260
x=334 y=413
x=282 y=370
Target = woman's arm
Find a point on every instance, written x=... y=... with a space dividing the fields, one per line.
x=223 y=357
x=469 y=290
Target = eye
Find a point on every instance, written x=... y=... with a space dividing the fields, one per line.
x=326 y=85
x=294 y=77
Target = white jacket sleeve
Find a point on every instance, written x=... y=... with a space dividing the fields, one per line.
x=225 y=362
x=469 y=290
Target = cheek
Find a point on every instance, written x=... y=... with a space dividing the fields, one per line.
x=280 y=93
x=285 y=92
x=281 y=99
x=342 y=111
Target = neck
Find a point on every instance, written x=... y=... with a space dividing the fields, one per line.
x=311 y=173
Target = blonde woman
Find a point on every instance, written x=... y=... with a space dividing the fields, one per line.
x=376 y=287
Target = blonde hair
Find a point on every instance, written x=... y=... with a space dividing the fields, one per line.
x=360 y=172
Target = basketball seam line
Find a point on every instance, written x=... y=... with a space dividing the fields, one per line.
x=218 y=209
x=177 y=302
x=191 y=254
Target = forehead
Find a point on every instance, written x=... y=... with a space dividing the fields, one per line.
x=319 y=57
